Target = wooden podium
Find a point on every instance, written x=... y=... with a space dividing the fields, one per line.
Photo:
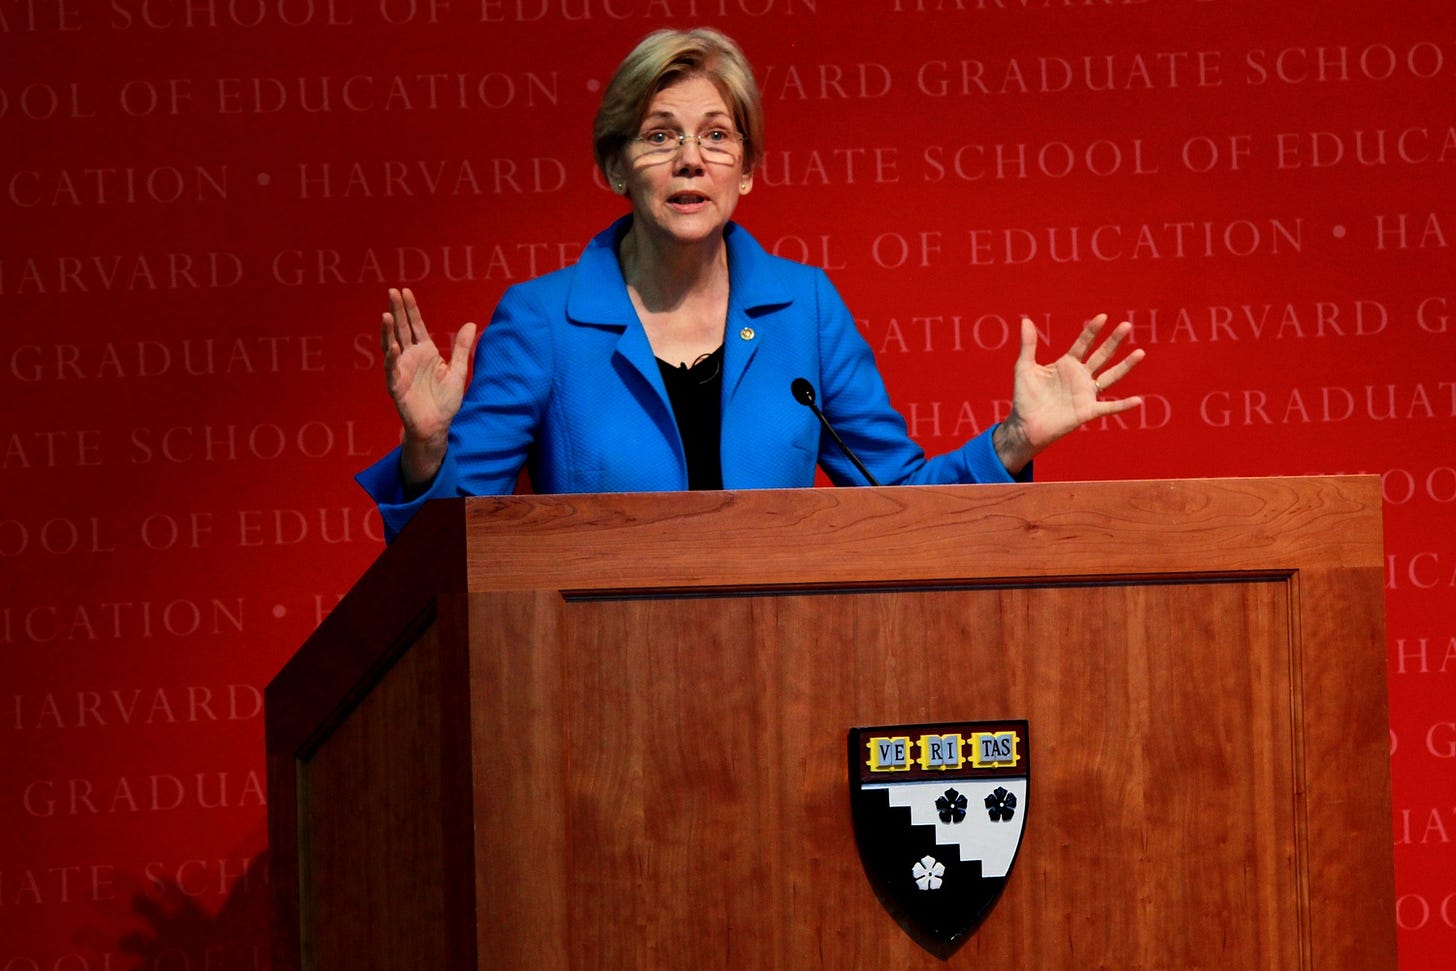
x=608 y=731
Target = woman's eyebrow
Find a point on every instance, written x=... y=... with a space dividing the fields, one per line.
x=672 y=116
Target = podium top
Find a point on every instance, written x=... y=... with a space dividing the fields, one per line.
x=901 y=534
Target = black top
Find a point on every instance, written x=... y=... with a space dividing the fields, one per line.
x=696 y=395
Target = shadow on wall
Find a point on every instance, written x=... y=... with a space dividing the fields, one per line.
x=181 y=935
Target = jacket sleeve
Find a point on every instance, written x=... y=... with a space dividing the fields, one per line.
x=492 y=435
x=854 y=399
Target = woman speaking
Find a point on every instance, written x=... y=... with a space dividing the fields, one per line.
x=664 y=359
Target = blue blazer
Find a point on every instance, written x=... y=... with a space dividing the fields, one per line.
x=566 y=384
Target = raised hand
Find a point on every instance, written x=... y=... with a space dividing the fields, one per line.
x=426 y=389
x=1052 y=400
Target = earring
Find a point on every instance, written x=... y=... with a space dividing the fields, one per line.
x=743 y=187
x=621 y=187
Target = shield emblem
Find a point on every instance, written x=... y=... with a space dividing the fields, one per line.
x=938 y=815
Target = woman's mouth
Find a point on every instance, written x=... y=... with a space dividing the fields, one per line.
x=687 y=201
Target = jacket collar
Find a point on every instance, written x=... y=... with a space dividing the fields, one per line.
x=598 y=298
x=599 y=294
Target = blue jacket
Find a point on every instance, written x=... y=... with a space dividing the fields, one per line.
x=566 y=383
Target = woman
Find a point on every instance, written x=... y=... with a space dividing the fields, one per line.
x=664 y=358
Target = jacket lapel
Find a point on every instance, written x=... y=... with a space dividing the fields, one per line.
x=598 y=298
x=755 y=290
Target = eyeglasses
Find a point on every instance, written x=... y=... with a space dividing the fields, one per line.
x=717 y=144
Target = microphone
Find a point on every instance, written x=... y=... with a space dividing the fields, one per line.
x=804 y=395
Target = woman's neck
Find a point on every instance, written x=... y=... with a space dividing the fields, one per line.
x=668 y=275
x=680 y=293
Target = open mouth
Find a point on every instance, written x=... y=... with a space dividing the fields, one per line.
x=686 y=200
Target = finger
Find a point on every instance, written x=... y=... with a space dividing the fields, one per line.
x=1107 y=350
x=1028 y=341
x=1084 y=340
x=460 y=355
x=416 y=322
x=398 y=321
x=1118 y=405
x=386 y=334
x=1119 y=370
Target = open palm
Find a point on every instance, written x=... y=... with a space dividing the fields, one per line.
x=1051 y=400
x=426 y=389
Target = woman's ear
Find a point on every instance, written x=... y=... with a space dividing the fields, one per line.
x=616 y=177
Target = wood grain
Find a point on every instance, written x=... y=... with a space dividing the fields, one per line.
x=651 y=695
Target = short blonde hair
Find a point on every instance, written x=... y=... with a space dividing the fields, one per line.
x=664 y=58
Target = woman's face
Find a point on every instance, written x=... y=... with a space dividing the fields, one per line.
x=685 y=195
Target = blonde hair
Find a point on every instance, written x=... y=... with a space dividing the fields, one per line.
x=664 y=58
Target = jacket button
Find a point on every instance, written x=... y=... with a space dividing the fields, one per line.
x=746 y=333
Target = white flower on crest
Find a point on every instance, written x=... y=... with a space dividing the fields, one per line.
x=927 y=872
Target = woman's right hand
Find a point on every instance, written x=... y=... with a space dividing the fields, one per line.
x=427 y=389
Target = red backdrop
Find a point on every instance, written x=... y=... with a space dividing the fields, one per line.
x=204 y=201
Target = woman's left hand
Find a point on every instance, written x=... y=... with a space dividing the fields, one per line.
x=1052 y=400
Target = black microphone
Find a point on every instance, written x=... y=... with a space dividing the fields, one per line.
x=804 y=395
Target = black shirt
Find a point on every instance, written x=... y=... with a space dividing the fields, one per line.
x=696 y=395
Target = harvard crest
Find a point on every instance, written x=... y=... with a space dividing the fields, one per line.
x=938 y=814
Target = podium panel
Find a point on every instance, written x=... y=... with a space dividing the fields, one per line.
x=609 y=731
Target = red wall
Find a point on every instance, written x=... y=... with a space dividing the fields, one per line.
x=204 y=200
